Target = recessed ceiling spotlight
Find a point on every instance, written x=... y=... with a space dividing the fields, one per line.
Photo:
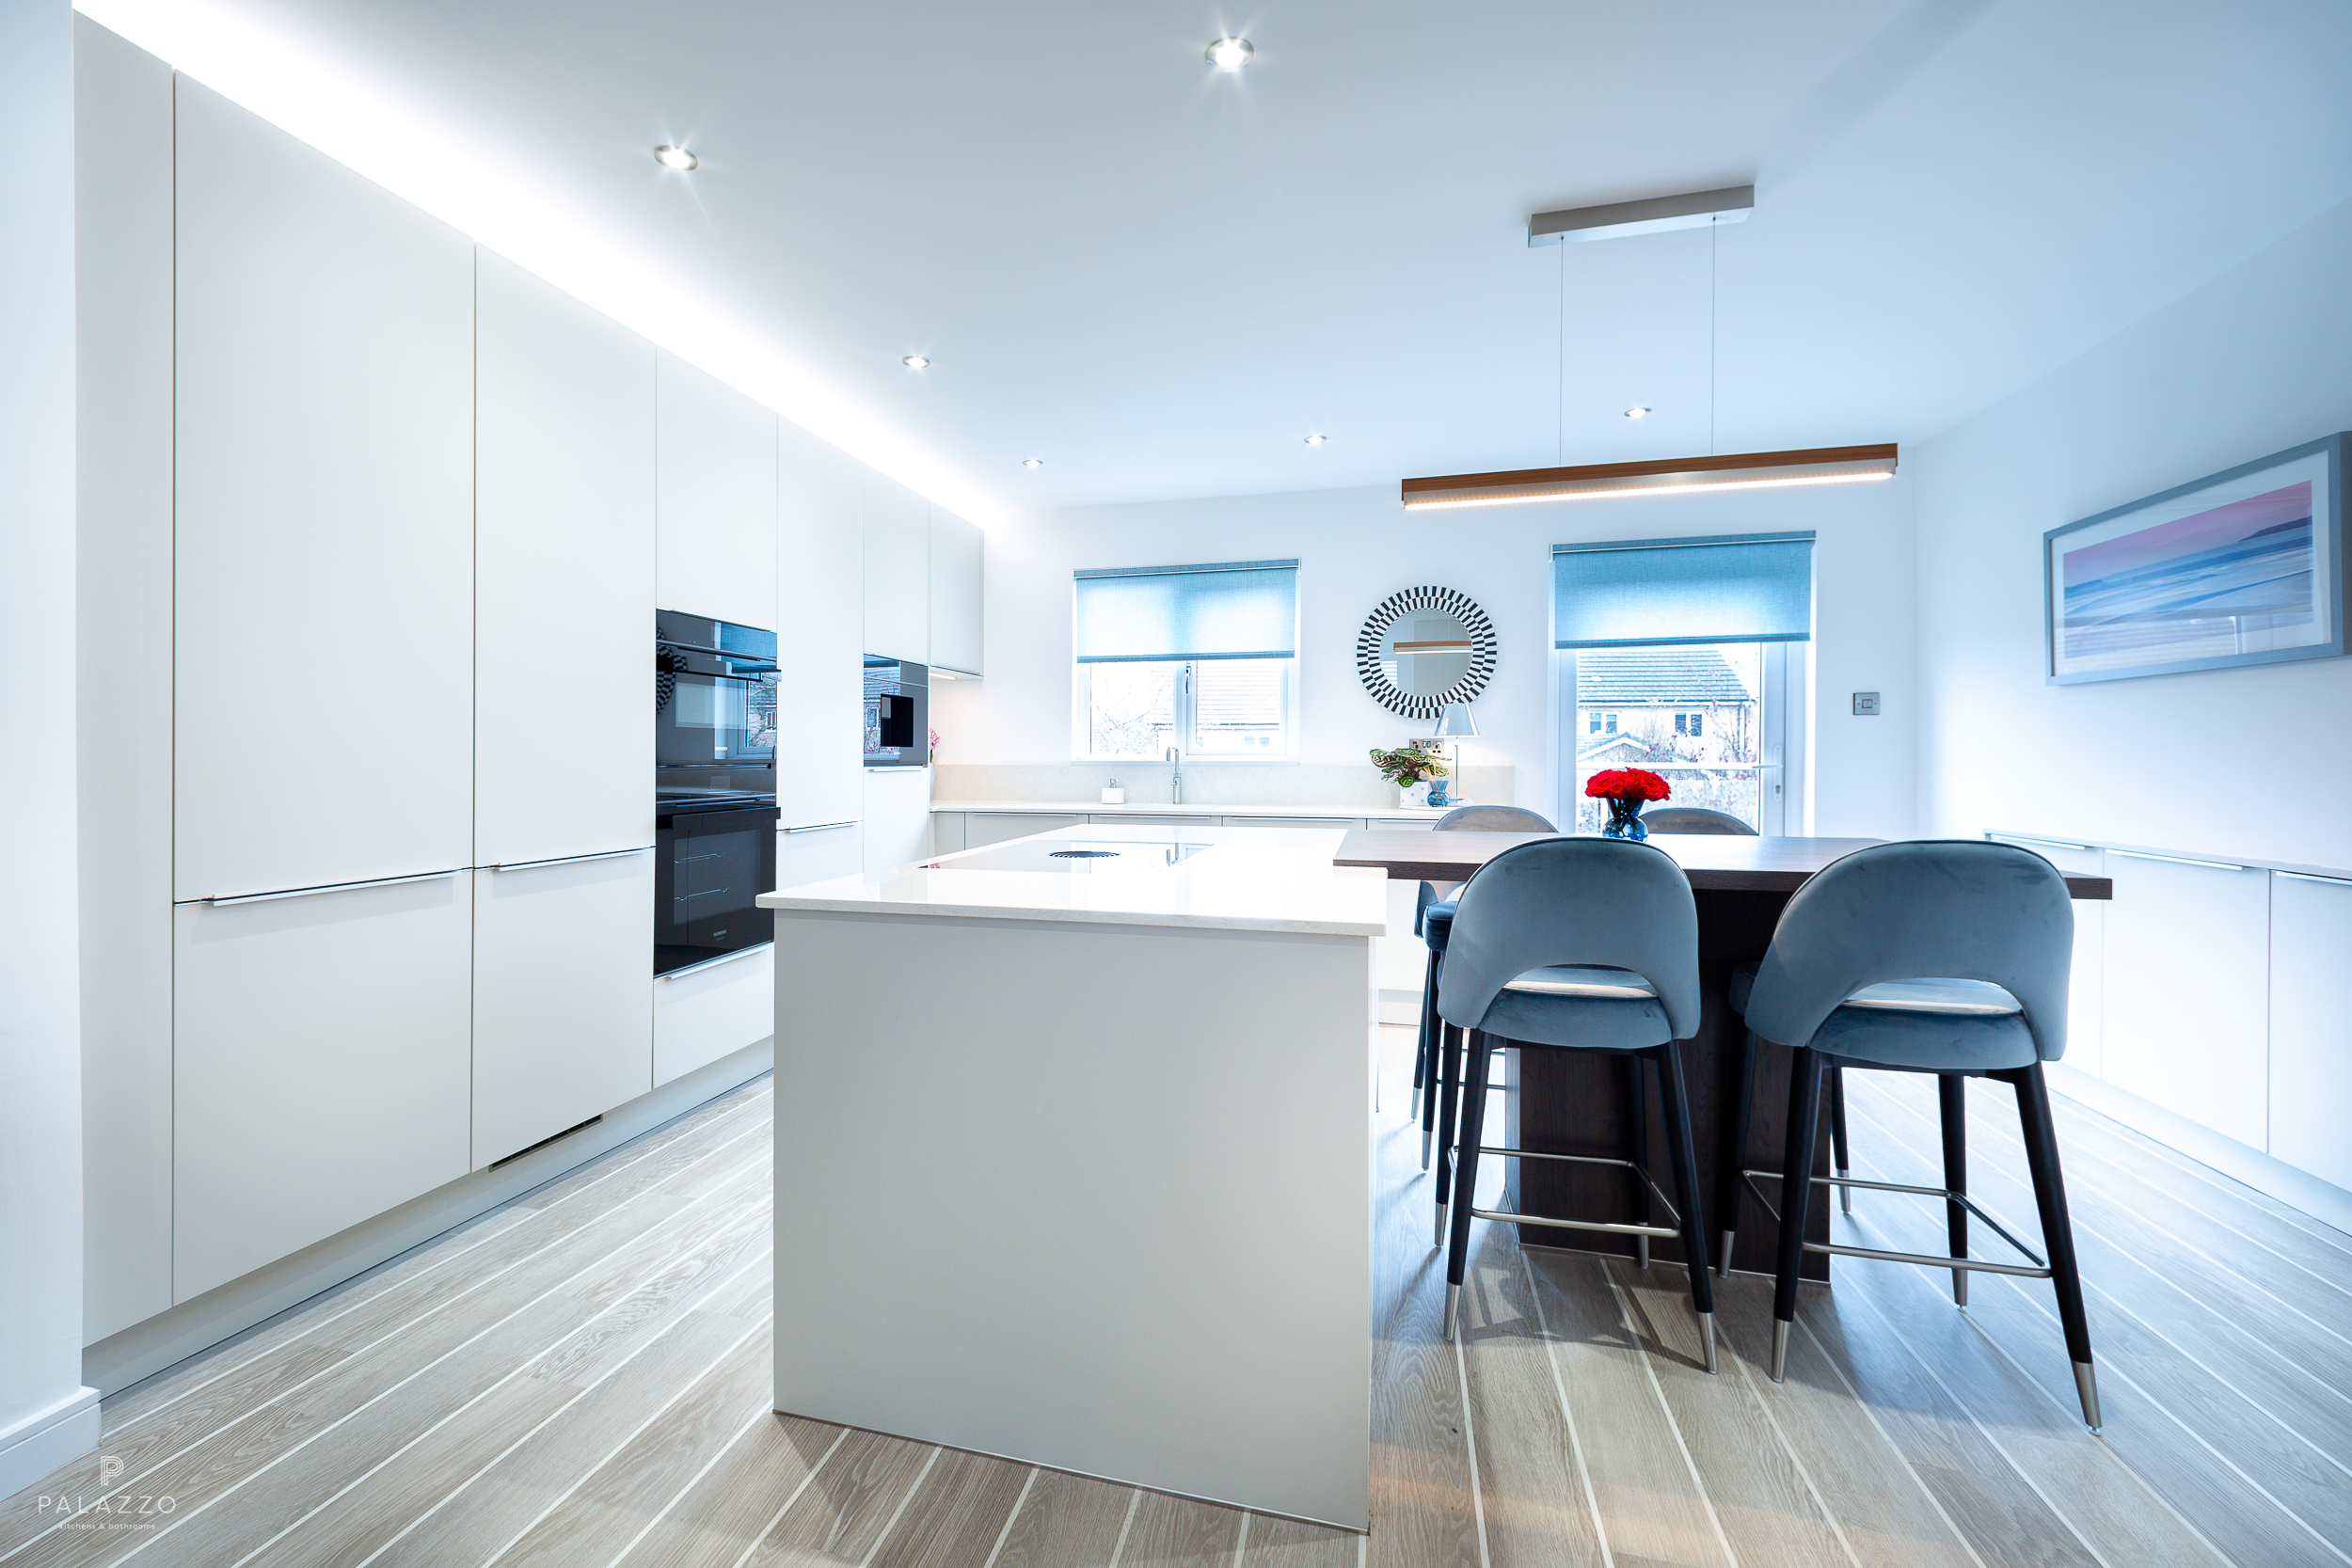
x=1638 y=411
x=1229 y=54
x=675 y=158
x=1033 y=461
x=1317 y=440
x=916 y=362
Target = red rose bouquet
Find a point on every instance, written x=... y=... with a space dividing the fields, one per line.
x=1626 y=790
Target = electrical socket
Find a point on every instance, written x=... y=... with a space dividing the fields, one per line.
x=1867 y=703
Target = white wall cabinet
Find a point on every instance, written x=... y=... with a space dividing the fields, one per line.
x=320 y=1071
x=898 y=571
x=322 y=676
x=821 y=603
x=2187 y=977
x=563 y=564
x=702 y=1014
x=717 y=499
x=957 y=572
x=2310 y=1031
x=562 y=997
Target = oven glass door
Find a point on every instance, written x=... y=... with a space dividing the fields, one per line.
x=710 y=867
x=710 y=721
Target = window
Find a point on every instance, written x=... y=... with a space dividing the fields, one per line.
x=1201 y=657
x=1679 y=655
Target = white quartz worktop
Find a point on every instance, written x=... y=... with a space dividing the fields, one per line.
x=1245 y=878
x=1163 y=808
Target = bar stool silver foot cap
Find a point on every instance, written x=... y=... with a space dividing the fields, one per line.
x=1723 y=1259
x=1707 y=1337
x=1439 y=1240
x=1780 y=1349
x=1960 y=1287
x=1424 y=1147
x=1452 y=1310
x=1845 y=1195
x=1641 y=1252
x=2086 y=1384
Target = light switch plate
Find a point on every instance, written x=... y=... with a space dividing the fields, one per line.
x=1867 y=703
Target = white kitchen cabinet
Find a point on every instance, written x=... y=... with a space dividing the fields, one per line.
x=818 y=854
x=898 y=571
x=702 y=1014
x=717 y=489
x=1137 y=819
x=820 y=596
x=897 y=817
x=320 y=1070
x=2186 y=967
x=946 y=833
x=322 y=681
x=982 y=827
x=562 y=997
x=2085 y=987
x=957 y=570
x=2310 y=1031
x=1293 y=821
x=563 y=563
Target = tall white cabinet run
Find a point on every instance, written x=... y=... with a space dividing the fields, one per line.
x=324 y=691
x=564 y=557
x=820 y=570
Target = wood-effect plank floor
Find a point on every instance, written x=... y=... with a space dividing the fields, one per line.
x=581 y=1378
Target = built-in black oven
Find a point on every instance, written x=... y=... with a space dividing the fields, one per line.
x=714 y=787
x=898 y=712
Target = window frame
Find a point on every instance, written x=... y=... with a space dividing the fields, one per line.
x=1784 y=727
x=1186 y=718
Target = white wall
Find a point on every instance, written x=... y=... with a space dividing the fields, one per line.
x=1356 y=547
x=46 y=1416
x=2256 y=361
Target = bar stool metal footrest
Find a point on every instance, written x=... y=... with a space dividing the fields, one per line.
x=1641 y=1233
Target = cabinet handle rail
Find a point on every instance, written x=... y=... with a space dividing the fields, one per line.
x=218 y=899
x=2181 y=859
x=571 y=860
x=820 y=827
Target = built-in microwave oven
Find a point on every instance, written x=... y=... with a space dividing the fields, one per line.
x=898 y=712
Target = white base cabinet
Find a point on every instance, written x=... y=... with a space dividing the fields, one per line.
x=562 y=997
x=897 y=827
x=703 y=1014
x=320 y=1067
x=2310 y=1031
x=818 y=854
x=2187 y=1005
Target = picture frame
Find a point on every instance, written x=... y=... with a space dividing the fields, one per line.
x=2246 y=566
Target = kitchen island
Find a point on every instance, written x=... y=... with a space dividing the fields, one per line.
x=1074 y=1158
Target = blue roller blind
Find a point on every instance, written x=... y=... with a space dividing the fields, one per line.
x=1640 y=593
x=1236 y=610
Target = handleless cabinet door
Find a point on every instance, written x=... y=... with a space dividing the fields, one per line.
x=718 y=499
x=2187 y=991
x=958 y=557
x=898 y=571
x=319 y=1070
x=2086 y=985
x=2310 y=1028
x=562 y=997
x=984 y=827
x=820 y=599
x=563 y=484
x=322 y=683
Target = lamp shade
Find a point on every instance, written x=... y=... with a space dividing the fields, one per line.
x=1456 y=722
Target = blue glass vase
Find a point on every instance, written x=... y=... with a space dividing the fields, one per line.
x=1625 y=818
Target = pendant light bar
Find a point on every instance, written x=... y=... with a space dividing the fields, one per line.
x=1747 y=470
x=1655 y=214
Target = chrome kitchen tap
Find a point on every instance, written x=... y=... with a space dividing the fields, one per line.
x=1176 y=775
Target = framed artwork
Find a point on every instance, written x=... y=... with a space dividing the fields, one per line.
x=2241 y=567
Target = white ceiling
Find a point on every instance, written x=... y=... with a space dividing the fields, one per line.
x=1159 y=277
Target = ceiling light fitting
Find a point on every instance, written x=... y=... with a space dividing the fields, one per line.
x=1748 y=470
x=1033 y=461
x=675 y=158
x=1229 y=54
x=1317 y=440
x=916 y=362
x=1638 y=411
x=1655 y=215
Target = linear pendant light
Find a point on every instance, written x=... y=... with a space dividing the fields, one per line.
x=1745 y=470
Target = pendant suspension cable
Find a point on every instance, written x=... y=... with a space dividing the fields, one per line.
x=1560 y=370
x=1712 y=228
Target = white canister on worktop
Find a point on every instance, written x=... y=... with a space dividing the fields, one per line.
x=1113 y=795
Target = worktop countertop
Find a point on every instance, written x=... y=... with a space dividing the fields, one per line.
x=1277 y=879
x=1163 y=808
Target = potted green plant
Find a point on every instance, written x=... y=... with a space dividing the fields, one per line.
x=1409 y=769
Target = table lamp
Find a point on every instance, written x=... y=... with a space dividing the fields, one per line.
x=1456 y=725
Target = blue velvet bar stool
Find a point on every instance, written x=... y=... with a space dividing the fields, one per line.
x=1947 y=956
x=1433 y=918
x=1577 y=945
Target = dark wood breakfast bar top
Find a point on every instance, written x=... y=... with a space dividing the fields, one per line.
x=1715 y=862
x=1571 y=1102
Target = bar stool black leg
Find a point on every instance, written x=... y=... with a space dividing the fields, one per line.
x=1733 y=1157
x=1675 y=1101
x=1637 y=1115
x=1838 y=1134
x=1796 y=1192
x=1425 y=1058
x=2057 y=1232
x=1951 y=1095
x=1470 y=1133
x=1445 y=1074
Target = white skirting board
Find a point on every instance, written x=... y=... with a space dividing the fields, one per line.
x=2323 y=1201
x=48 y=1439
x=148 y=1347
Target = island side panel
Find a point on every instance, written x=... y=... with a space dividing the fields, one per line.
x=1093 y=1195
